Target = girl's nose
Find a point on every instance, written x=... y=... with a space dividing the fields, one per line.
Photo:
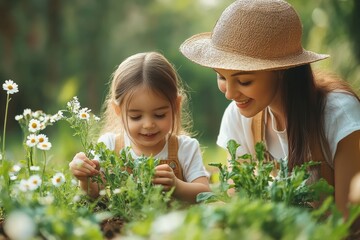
x=149 y=123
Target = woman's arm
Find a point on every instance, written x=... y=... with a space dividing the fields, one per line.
x=346 y=165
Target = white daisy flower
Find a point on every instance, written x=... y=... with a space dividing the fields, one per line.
x=16 y=168
x=117 y=191
x=13 y=177
x=58 y=179
x=19 y=117
x=37 y=114
x=35 y=168
x=27 y=112
x=76 y=198
x=74 y=105
x=44 y=146
x=34 y=182
x=47 y=200
x=32 y=140
x=56 y=117
x=96 y=118
x=84 y=113
x=74 y=182
x=42 y=138
x=10 y=87
x=24 y=185
x=34 y=125
x=19 y=225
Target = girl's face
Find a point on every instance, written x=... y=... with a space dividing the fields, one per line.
x=149 y=120
x=252 y=91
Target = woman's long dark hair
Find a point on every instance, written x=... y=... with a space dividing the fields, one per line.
x=304 y=97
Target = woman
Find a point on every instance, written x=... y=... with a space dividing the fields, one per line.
x=255 y=49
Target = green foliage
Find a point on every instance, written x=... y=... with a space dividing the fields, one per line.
x=128 y=191
x=252 y=178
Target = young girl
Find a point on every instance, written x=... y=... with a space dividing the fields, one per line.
x=144 y=111
x=255 y=49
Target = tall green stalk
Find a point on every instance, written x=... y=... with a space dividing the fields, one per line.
x=4 y=131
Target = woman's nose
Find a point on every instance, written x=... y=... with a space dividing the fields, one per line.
x=231 y=92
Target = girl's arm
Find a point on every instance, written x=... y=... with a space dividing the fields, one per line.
x=83 y=168
x=346 y=165
x=186 y=191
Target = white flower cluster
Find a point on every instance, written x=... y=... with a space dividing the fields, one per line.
x=82 y=113
x=41 y=141
x=35 y=181
x=35 y=121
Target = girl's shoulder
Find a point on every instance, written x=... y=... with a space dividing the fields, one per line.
x=185 y=140
x=108 y=139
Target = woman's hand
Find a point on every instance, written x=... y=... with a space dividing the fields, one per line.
x=82 y=167
x=164 y=175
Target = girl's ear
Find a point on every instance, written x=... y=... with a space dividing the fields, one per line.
x=116 y=108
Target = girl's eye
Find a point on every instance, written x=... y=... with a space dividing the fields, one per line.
x=159 y=116
x=135 y=118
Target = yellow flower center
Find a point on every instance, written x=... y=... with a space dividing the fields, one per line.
x=10 y=87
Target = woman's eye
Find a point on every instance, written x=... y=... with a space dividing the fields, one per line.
x=220 y=77
x=247 y=83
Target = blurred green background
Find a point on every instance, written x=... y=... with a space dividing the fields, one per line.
x=58 y=49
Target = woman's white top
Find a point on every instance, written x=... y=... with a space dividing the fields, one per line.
x=342 y=117
x=189 y=154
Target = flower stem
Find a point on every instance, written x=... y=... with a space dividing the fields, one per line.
x=4 y=131
x=43 y=173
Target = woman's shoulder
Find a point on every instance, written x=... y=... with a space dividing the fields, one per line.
x=342 y=101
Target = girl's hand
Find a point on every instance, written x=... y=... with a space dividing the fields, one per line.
x=164 y=175
x=82 y=167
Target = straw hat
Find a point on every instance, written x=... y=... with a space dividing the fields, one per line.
x=252 y=35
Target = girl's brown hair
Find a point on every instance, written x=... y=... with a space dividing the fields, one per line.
x=152 y=71
x=304 y=98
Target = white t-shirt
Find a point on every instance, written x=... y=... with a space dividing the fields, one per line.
x=342 y=117
x=189 y=154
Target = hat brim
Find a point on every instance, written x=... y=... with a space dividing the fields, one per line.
x=200 y=50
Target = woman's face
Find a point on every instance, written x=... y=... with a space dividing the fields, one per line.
x=252 y=91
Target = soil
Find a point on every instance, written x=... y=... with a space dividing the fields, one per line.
x=111 y=227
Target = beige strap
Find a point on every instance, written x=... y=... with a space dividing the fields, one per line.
x=119 y=143
x=173 y=161
x=317 y=154
x=257 y=127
